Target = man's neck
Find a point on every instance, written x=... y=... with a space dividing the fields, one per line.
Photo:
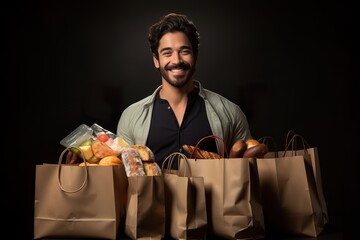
x=175 y=95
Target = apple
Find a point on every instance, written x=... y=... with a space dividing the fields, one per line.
x=93 y=159
x=103 y=137
x=75 y=150
x=86 y=143
x=86 y=151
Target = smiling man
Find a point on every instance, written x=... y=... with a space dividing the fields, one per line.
x=180 y=111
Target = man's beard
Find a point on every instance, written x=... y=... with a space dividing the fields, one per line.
x=177 y=82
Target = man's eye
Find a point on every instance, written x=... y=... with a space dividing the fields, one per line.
x=185 y=52
x=166 y=54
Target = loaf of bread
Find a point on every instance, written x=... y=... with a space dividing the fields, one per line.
x=257 y=151
x=101 y=149
x=251 y=143
x=110 y=160
x=238 y=148
x=145 y=153
x=131 y=159
x=152 y=168
x=192 y=151
x=209 y=155
x=88 y=164
x=200 y=153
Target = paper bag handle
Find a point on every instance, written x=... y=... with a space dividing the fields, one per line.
x=180 y=156
x=294 y=144
x=288 y=136
x=59 y=171
x=216 y=138
x=268 y=139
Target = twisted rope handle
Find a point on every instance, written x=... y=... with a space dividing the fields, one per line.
x=266 y=140
x=288 y=136
x=294 y=144
x=180 y=156
x=59 y=171
x=216 y=138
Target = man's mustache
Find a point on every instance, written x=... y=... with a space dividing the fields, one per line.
x=183 y=66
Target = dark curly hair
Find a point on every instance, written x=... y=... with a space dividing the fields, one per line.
x=173 y=22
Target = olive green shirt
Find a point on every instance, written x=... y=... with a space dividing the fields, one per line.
x=226 y=119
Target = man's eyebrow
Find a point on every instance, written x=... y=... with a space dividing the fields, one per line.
x=165 y=49
x=185 y=47
x=181 y=48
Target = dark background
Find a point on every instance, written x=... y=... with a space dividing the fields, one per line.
x=286 y=64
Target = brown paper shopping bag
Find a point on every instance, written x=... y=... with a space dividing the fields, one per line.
x=185 y=202
x=145 y=211
x=233 y=198
x=298 y=146
x=79 y=201
x=292 y=201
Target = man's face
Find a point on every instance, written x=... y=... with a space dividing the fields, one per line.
x=176 y=59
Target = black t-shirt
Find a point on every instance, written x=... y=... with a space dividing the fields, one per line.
x=165 y=135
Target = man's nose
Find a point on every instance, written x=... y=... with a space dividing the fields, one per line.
x=177 y=58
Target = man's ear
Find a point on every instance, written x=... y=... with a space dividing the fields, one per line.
x=156 y=61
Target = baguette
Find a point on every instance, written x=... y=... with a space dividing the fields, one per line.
x=152 y=168
x=132 y=162
x=200 y=153
x=145 y=153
